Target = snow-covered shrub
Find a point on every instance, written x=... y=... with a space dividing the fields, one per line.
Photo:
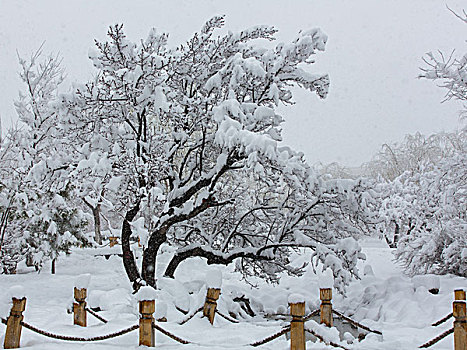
x=428 y=210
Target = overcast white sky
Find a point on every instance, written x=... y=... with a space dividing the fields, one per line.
x=373 y=58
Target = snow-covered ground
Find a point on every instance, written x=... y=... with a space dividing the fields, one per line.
x=384 y=299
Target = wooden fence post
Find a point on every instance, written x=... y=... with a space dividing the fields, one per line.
x=113 y=241
x=210 y=305
x=146 y=322
x=325 y=294
x=297 y=327
x=460 y=326
x=459 y=294
x=13 y=327
x=79 y=307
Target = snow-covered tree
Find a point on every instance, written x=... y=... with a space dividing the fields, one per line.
x=449 y=70
x=426 y=203
x=423 y=210
x=416 y=153
x=39 y=219
x=183 y=142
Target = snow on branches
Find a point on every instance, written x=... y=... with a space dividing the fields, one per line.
x=423 y=210
x=449 y=70
x=38 y=219
x=182 y=143
x=191 y=135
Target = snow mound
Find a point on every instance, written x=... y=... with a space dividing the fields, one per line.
x=146 y=293
x=82 y=281
x=214 y=279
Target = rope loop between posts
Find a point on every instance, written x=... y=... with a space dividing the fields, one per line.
x=271 y=338
x=171 y=335
x=228 y=318
x=312 y=314
x=355 y=323
x=287 y=317
x=100 y=318
x=444 y=319
x=191 y=316
x=437 y=339
x=183 y=341
x=322 y=339
x=80 y=339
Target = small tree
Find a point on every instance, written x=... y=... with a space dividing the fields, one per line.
x=38 y=216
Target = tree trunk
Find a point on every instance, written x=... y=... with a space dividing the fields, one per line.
x=128 y=258
x=96 y=212
x=150 y=255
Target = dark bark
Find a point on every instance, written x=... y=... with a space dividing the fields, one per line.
x=128 y=258
x=150 y=255
x=159 y=236
x=96 y=213
x=245 y=305
x=97 y=224
x=396 y=236
x=211 y=256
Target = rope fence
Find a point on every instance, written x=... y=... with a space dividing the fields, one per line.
x=271 y=338
x=71 y=338
x=99 y=317
x=355 y=323
x=147 y=325
x=441 y=321
x=191 y=316
x=228 y=318
x=171 y=335
x=460 y=323
x=437 y=339
x=323 y=340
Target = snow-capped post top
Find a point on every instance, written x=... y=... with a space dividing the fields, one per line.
x=214 y=279
x=326 y=280
x=17 y=292
x=82 y=281
x=146 y=293
x=296 y=298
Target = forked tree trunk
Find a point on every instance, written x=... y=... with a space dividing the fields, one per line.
x=128 y=257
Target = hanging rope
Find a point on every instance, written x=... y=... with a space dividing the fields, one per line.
x=228 y=318
x=314 y=313
x=271 y=338
x=100 y=318
x=170 y=335
x=191 y=316
x=444 y=319
x=70 y=338
x=437 y=339
x=322 y=339
x=355 y=323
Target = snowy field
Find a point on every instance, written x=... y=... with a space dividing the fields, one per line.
x=384 y=299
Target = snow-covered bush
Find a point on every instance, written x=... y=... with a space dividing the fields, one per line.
x=38 y=218
x=424 y=214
